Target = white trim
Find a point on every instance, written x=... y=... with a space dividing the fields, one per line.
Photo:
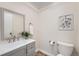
x=41 y=9
x=49 y=6
x=32 y=7
x=37 y=50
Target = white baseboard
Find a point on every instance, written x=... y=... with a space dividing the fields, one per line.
x=37 y=50
x=49 y=54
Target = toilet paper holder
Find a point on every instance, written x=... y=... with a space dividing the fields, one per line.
x=52 y=42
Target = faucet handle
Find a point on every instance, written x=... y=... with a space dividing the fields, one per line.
x=14 y=38
x=9 y=39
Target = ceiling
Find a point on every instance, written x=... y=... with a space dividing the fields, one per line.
x=40 y=5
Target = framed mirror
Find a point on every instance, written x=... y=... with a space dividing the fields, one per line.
x=13 y=23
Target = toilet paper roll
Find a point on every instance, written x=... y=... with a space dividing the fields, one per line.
x=52 y=43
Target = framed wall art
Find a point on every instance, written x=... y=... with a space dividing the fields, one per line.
x=66 y=22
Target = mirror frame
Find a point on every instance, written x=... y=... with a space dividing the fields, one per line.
x=4 y=9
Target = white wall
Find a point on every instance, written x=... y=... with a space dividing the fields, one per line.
x=77 y=40
x=30 y=15
x=49 y=25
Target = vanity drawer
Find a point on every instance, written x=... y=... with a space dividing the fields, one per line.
x=30 y=46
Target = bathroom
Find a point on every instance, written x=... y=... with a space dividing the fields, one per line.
x=42 y=20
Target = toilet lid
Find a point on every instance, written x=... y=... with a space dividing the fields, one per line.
x=60 y=55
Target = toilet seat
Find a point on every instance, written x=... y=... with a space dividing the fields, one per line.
x=60 y=55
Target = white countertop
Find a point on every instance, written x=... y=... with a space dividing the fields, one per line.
x=6 y=47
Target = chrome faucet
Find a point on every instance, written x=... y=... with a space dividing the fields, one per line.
x=12 y=37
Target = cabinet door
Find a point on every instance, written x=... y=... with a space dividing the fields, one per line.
x=20 y=51
x=31 y=52
x=17 y=52
x=30 y=49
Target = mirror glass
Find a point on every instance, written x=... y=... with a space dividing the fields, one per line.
x=13 y=23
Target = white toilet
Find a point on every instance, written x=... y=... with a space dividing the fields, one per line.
x=65 y=49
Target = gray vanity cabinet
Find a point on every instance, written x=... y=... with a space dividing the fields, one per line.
x=27 y=50
x=17 y=52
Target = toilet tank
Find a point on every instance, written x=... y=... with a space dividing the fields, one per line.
x=65 y=48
